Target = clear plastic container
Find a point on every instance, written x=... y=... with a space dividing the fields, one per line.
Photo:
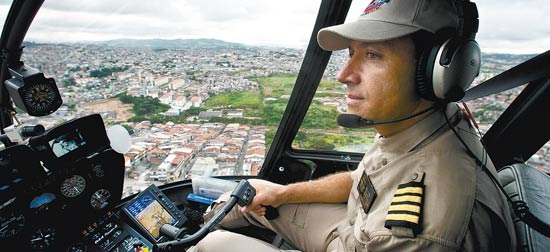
x=211 y=187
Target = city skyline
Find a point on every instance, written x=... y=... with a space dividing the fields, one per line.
x=188 y=78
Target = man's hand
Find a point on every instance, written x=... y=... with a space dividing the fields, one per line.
x=267 y=194
x=333 y=188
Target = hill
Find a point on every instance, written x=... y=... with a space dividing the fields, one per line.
x=173 y=44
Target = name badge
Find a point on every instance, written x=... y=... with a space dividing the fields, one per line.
x=367 y=194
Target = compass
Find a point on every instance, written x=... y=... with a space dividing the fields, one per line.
x=32 y=92
x=41 y=98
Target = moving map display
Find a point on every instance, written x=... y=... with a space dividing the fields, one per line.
x=149 y=213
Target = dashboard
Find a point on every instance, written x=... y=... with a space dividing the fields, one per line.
x=62 y=192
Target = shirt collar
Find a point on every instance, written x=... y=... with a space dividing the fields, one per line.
x=406 y=140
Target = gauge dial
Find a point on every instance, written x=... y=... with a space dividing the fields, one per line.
x=43 y=238
x=73 y=186
x=99 y=199
x=11 y=224
x=41 y=98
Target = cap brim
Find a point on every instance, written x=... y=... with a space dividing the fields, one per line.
x=337 y=37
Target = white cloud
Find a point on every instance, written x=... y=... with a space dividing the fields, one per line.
x=514 y=26
x=252 y=21
x=505 y=26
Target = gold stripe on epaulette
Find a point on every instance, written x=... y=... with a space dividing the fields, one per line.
x=417 y=190
x=405 y=210
x=403 y=217
x=405 y=207
x=410 y=198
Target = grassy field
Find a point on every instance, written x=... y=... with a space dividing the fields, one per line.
x=280 y=85
x=319 y=129
x=327 y=86
x=276 y=86
x=244 y=100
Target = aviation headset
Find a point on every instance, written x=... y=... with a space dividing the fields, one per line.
x=445 y=70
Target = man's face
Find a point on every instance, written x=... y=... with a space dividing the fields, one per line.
x=380 y=79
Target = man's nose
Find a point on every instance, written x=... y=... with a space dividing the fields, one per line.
x=348 y=75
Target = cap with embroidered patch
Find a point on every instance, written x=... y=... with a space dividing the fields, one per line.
x=390 y=19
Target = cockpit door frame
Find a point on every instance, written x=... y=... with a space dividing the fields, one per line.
x=331 y=12
x=18 y=21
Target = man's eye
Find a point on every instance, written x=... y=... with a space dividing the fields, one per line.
x=372 y=55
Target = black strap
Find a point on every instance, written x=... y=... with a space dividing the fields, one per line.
x=526 y=72
x=520 y=208
x=522 y=212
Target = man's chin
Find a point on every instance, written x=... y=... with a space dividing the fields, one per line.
x=353 y=112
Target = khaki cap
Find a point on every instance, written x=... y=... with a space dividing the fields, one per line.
x=390 y=19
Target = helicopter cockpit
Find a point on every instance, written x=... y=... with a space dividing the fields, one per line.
x=135 y=123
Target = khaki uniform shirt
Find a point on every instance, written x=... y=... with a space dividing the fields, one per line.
x=451 y=204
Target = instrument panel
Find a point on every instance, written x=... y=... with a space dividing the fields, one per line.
x=64 y=200
x=45 y=215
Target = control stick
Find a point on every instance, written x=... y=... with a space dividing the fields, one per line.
x=243 y=195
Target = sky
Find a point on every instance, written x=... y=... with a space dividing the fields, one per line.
x=506 y=26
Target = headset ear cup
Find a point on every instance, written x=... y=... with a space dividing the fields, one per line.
x=455 y=68
x=424 y=78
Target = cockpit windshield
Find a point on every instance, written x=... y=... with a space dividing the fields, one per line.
x=122 y=121
x=201 y=86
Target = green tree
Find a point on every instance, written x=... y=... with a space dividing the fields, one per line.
x=320 y=117
x=273 y=112
x=145 y=107
x=124 y=98
x=69 y=82
x=104 y=72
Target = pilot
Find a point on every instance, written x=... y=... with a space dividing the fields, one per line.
x=425 y=184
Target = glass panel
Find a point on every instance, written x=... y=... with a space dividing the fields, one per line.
x=319 y=130
x=541 y=159
x=4 y=9
x=201 y=86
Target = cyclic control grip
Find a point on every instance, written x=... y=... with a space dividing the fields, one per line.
x=245 y=193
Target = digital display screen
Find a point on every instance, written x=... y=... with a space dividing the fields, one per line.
x=66 y=143
x=148 y=212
